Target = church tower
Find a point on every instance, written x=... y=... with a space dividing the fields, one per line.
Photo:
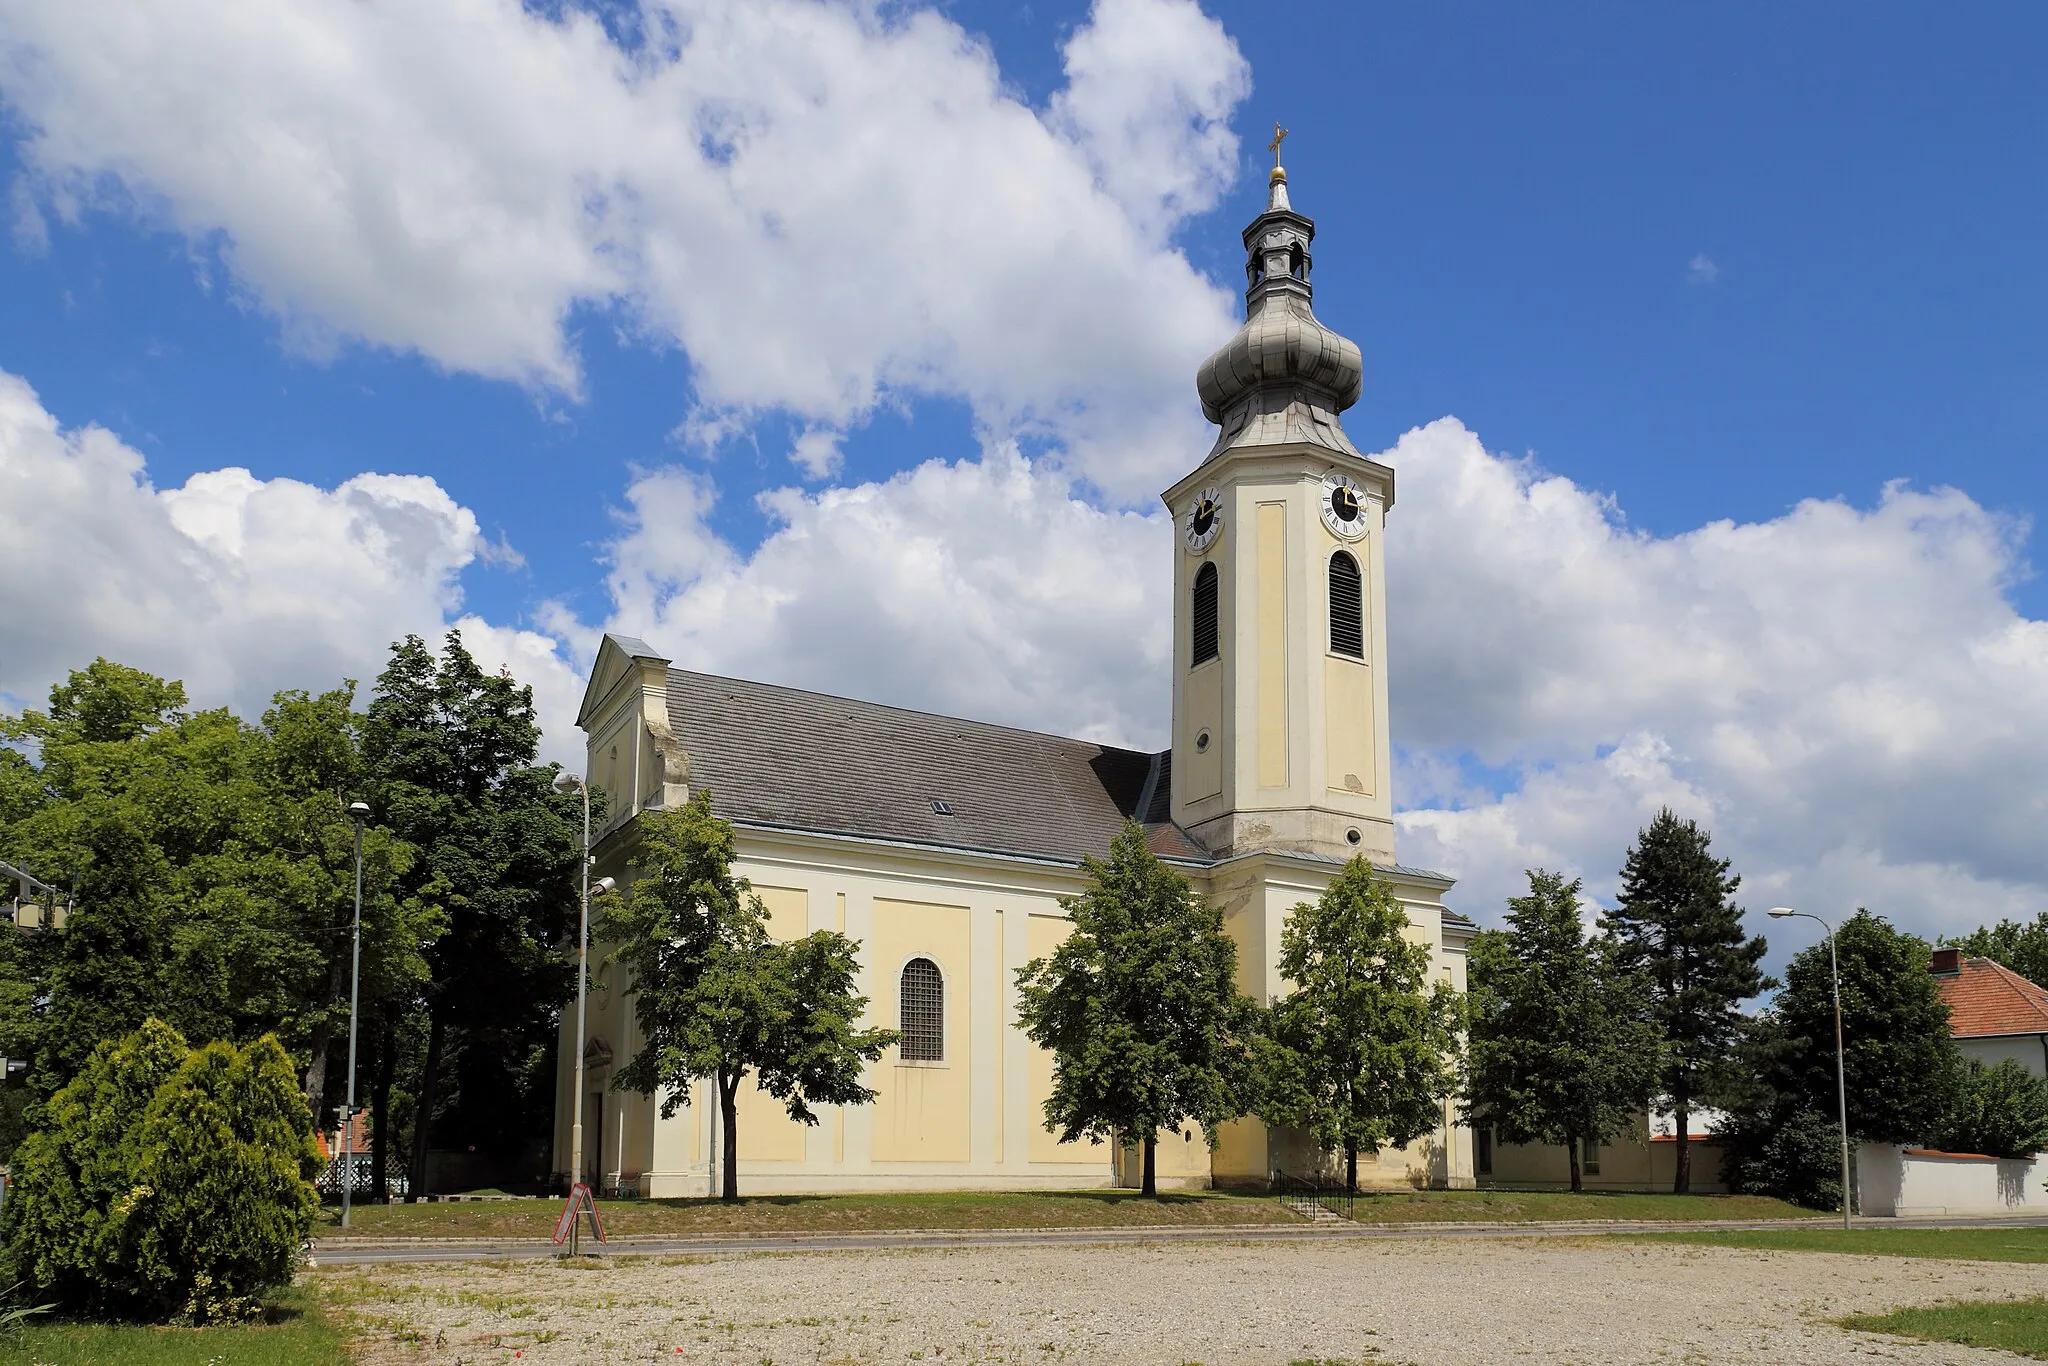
x=1279 y=680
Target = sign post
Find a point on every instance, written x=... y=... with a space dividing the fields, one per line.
x=579 y=1203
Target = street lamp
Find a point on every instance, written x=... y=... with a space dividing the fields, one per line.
x=1841 y=1074
x=358 y=812
x=565 y=783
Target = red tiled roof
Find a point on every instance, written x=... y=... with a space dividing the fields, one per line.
x=1986 y=999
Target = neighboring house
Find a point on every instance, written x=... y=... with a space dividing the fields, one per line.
x=1994 y=1013
x=1644 y=1159
x=944 y=846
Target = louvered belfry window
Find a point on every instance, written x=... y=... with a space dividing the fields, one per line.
x=1347 y=607
x=1203 y=632
x=922 y=1017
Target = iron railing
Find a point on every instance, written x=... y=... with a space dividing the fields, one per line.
x=1306 y=1195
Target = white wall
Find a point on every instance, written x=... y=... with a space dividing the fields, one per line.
x=2030 y=1049
x=1915 y=1182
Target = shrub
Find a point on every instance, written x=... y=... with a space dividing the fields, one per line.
x=167 y=1182
x=2001 y=1111
x=1794 y=1156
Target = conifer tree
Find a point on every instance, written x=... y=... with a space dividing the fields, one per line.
x=718 y=999
x=1561 y=1049
x=1677 y=924
x=1362 y=1053
x=1139 y=1007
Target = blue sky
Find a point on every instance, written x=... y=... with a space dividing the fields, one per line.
x=1699 y=265
x=1509 y=204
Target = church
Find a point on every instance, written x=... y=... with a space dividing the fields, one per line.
x=943 y=846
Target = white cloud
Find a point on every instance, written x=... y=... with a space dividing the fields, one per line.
x=239 y=586
x=1701 y=270
x=816 y=452
x=823 y=203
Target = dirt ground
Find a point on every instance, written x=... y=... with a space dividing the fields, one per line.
x=1432 y=1301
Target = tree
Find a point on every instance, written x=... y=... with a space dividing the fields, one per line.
x=717 y=999
x=167 y=1182
x=2023 y=947
x=1676 y=924
x=1361 y=1053
x=1898 y=1057
x=1561 y=1049
x=213 y=867
x=1139 y=1007
x=449 y=758
x=1999 y=1111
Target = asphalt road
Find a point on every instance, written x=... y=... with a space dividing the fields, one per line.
x=370 y=1252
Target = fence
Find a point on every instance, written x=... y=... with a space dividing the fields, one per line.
x=1315 y=1196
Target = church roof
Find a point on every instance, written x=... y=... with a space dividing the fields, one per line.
x=787 y=758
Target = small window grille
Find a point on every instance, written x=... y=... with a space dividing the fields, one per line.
x=922 y=1013
x=940 y=808
x=1203 y=620
x=1347 y=607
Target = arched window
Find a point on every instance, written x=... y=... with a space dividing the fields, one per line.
x=1347 y=607
x=921 y=1015
x=1202 y=632
x=1297 y=262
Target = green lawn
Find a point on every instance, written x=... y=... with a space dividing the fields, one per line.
x=1954 y=1244
x=1041 y=1209
x=294 y=1332
x=813 y=1214
x=2009 y=1325
x=1483 y=1206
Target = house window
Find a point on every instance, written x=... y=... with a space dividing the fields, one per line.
x=1589 y=1159
x=922 y=1013
x=1347 y=607
x=1482 y=1150
x=1203 y=633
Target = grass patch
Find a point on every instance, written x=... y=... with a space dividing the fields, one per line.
x=815 y=1214
x=776 y=1214
x=2009 y=1325
x=291 y=1332
x=1484 y=1206
x=1951 y=1244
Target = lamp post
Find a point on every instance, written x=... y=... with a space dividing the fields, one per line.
x=569 y=782
x=358 y=812
x=1841 y=1071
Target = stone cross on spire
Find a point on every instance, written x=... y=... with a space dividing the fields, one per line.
x=1279 y=136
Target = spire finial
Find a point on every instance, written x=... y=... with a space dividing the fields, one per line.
x=1279 y=136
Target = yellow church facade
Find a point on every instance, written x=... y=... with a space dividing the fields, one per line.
x=943 y=846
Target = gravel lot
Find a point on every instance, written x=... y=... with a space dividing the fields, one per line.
x=1451 y=1302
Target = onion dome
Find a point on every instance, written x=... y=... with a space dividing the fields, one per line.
x=1284 y=377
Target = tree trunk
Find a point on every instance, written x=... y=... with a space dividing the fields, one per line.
x=323 y=1038
x=1571 y=1147
x=728 y=1106
x=380 y=1111
x=1351 y=1168
x=423 y=1109
x=1148 y=1184
x=1681 y=1114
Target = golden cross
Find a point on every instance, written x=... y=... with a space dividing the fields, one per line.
x=1279 y=136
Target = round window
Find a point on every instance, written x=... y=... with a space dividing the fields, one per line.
x=1202 y=742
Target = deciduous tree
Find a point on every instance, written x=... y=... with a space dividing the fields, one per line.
x=1139 y=1007
x=717 y=999
x=1362 y=1052
x=1561 y=1048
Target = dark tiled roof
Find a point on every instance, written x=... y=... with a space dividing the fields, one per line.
x=782 y=757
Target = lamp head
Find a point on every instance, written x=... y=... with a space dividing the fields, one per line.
x=603 y=885
x=567 y=782
x=359 y=812
x=1780 y=912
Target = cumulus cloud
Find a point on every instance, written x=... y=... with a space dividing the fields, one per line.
x=1843 y=694
x=823 y=203
x=238 y=585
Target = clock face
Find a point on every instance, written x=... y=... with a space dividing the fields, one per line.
x=1203 y=522
x=1343 y=506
